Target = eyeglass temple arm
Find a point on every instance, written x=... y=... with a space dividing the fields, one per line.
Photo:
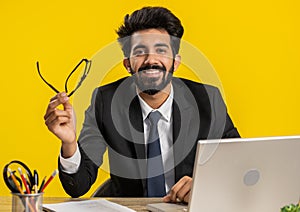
x=51 y=86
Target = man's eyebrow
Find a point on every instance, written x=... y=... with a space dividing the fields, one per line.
x=139 y=46
x=156 y=45
x=161 y=45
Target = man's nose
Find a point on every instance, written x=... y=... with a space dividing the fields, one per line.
x=151 y=58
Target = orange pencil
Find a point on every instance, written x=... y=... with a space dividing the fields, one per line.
x=15 y=181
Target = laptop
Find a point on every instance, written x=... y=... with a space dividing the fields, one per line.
x=244 y=174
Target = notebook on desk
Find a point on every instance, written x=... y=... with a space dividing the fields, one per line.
x=233 y=175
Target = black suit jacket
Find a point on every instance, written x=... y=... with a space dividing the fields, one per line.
x=198 y=113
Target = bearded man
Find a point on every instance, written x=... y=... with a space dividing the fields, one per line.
x=147 y=158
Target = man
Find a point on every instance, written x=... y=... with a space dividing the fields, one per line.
x=119 y=118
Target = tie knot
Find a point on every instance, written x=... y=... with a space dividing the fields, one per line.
x=154 y=117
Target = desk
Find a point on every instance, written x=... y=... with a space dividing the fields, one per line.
x=137 y=204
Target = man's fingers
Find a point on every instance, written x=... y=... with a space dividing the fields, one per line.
x=60 y=98
x=167 y=198
x=184 y=190
x=56 y=115
x=67 y=105
x=60 y=118
x=180 y=191
x=57 y=122
x=187 y=196
x=53 y=98
x=176 y=188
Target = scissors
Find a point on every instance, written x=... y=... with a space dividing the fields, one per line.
x=8 y=180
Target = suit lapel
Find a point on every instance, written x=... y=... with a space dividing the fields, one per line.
x=131 y=125
x=185 y=127
x=137 y=129
x=137 y=135
x=134 y=121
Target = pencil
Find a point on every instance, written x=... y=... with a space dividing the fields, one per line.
x=42 y=185
x=36 y=181
x=24 y=181
x=50 y=179
x=15 y=181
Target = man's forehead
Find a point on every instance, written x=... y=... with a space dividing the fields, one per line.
x=150 y=37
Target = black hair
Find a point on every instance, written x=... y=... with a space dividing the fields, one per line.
x=150 y=18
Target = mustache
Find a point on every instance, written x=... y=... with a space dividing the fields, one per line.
x=161 y=68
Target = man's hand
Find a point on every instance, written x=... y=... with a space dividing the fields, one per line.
x=61 y=123
x=180 y=192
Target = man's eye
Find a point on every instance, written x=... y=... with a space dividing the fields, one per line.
x=139 y=52
x=161 y=51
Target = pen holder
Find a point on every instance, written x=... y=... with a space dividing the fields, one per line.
x=27 y=202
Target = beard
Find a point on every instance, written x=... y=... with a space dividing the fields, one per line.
x=151 y=85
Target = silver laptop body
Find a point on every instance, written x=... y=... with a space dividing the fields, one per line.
x=246 y=175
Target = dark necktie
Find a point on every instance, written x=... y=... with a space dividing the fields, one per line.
x=155 y=170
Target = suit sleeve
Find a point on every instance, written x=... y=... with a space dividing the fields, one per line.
x=221 y=124
x=230 y=130
x=92 y=147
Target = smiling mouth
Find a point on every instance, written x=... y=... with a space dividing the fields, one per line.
x=151 y=72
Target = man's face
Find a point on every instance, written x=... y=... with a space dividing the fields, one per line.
x=151 y=60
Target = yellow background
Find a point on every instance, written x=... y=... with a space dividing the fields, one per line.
x=253 y=45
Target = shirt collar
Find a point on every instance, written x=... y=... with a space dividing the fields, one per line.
x=165 y=109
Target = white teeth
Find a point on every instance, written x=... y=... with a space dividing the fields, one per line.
x=151 y=71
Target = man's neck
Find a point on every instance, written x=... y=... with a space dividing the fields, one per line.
x=156 y=100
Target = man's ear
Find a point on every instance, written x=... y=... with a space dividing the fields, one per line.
x=177 y=61
x=126 y=64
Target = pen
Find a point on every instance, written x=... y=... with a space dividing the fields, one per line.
x=36 y=181
x=24 y=181
x=49 y=180
x=15 y=181
x=42 y=185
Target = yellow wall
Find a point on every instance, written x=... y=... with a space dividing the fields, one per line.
x=254 y=46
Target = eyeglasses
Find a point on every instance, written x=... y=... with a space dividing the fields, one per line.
x=85 y=73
